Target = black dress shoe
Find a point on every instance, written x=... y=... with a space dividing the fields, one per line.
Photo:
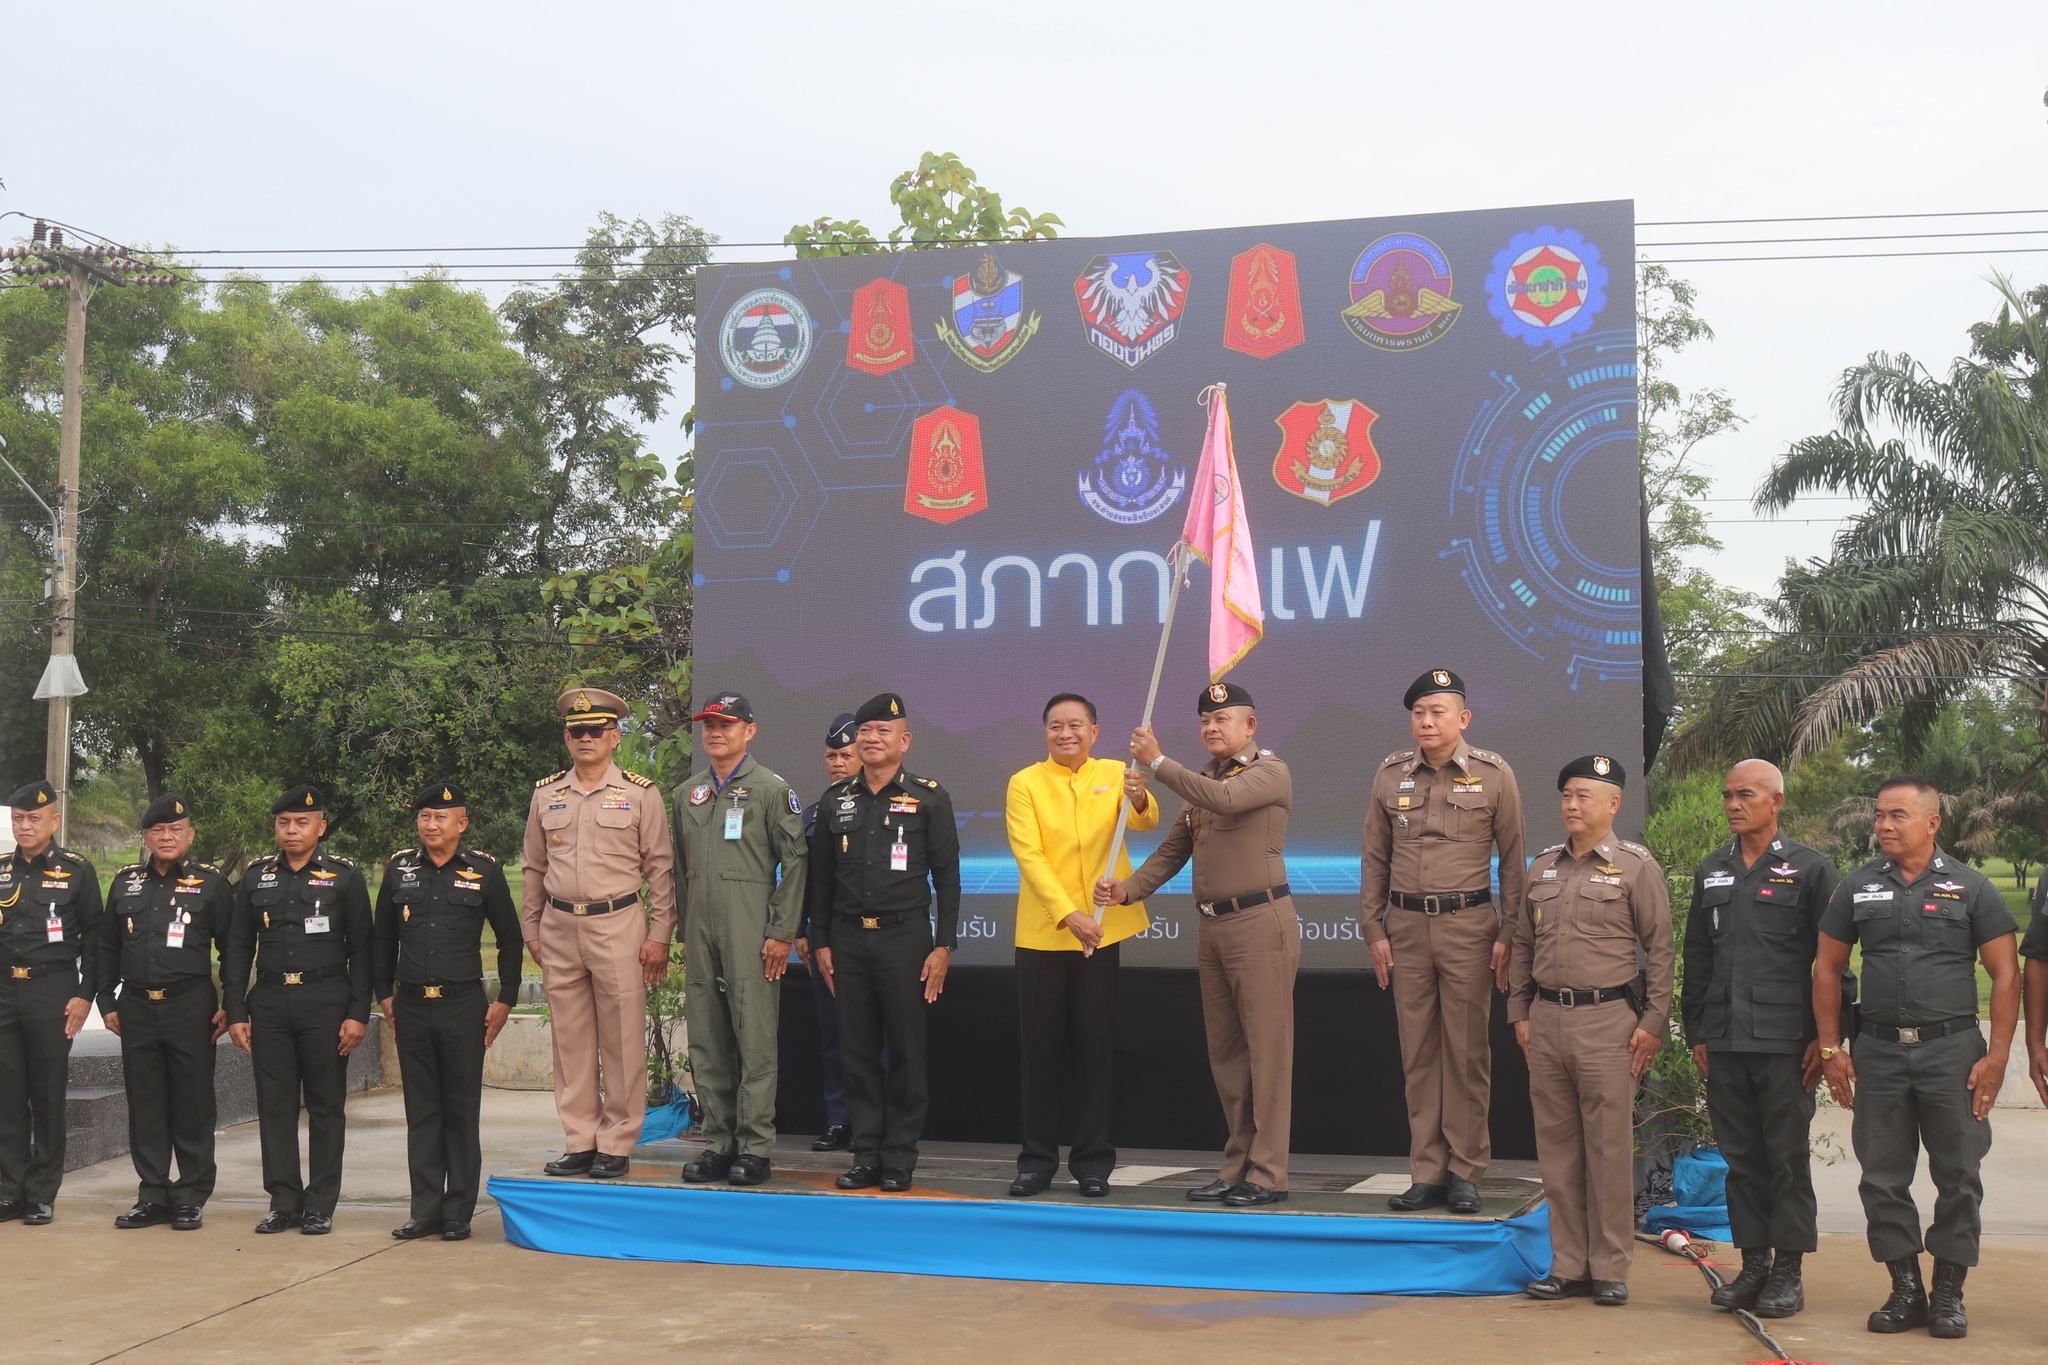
x=836 y=1138
x=748 y=1170
x=895 y=1180
x=1029 y=1183
x=1463 y=1196
x=34 y=1215
x=1251 y=1195
x=187 y=1218
x=1552 y=1287
x=277 y=1220
x=144 y=1215
x=571 y=1163
x=859 y=1177
x=1610 y=1293
x=605 y=1166
x=1094 y=1186
x=707 y=1166
x=455 y=1232
x=1418 y=1196
x=412 y=1229
x=10 y=1209
x=316 y=1224
x=1211 y=1193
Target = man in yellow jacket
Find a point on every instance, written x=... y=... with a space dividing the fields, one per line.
x=1061 y=813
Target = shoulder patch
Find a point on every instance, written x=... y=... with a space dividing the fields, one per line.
x=550 y=779
x=927 y=781
x=1401 y=757
x=638 y=780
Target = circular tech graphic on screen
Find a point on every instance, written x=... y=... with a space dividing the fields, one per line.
x=765 y=338
x=1547 y=286
x=1564 y=584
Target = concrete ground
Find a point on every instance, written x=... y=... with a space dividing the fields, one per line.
x=81 y=1291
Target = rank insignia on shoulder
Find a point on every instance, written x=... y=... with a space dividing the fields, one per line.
x=928 y=781
x=1635 y=848
x=638 y=780
x=1265 y=753
x=551 y=778
x=1552 y=849
x=1489 y=755
x=469 y=852
x=1401 y=757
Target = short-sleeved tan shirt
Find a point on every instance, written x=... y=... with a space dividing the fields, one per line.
x=1587 y=917
x=1432 y=831
x=599 y=843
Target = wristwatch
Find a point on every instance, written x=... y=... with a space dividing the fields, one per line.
x=1827 y=1054
x=1154 y=764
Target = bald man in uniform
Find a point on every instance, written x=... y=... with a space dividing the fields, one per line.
x=1438 y=812
x=1594 y=900
x=1234 y=827
x=596 y=835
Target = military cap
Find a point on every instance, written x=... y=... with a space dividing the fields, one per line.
x=590 y=706
x=1599 y=767
x=299 y=798
x=727 y=706
x=887 y=706
x=165 y=810
x=439 y=796
x=34 y=796
x=1436 y=680
x=1216 y=696
x=839 y=734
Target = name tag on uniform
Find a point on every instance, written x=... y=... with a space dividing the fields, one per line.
x=54 y=927
x=899 y=857
x=733 y=816
x=174 y=937
x=1549 y=874
x=1406 y=784
x=1720 y=879
x=316 y=924
x=1861 y=896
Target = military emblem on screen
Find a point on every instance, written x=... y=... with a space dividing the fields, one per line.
x=1547 y=286
x=988 y=325
x=765 y=338
x=1263 y=315
x=1326 y=450
x=947 y=479
x=1401 y=294
x=1134 y=479
x=1131 y=303
x=878 y=336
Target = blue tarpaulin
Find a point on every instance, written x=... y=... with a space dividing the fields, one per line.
x=667 y=1120
x=1014 y=1240
x=1700 y=1181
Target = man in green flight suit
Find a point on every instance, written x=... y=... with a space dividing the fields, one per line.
x=736 y=823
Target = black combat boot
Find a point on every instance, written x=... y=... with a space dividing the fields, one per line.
x=1741 y=1291
x=1907 y=1306
x=1945 y=1305
x=1784 y=1293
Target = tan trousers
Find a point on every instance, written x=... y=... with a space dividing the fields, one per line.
x=1584 y=1098
x=1247 y=961
x=597 y=1007
x=1443 y=995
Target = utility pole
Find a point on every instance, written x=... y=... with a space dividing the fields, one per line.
x=76 y=269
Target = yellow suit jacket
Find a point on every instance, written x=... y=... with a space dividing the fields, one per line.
x=1060 y=822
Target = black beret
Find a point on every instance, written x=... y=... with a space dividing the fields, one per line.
x=166 y=809
x=439 y=796
x=888 y=706
x=1599 y=767
x=839 y=733
x=34 y=795
x=1216 y=696
x=1436 y=680
x=299 y=798
x=727 y=706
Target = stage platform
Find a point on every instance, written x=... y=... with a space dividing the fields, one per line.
x=1334 y=1234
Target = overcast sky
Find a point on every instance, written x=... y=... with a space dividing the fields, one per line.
x=438 y=124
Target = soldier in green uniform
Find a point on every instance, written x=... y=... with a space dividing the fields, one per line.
x=1922 y=1075
x=736 y=824
x=427 y=966
x=166 y=915
x=49 y=918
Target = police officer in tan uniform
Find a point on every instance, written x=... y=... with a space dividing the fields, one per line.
x=595 y=836
x=1438 y=812
x=1234 y=826
x=1594 y=901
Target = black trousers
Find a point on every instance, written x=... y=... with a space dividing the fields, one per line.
x=441 y=1061
x=1066 y=1017
x=167 y=1065
x=294 y=1034
x=35 y=1070
x=828 y=1039
x=880 y=997
x=1763 y=1119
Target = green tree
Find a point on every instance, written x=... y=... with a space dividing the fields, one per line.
x=941 y=202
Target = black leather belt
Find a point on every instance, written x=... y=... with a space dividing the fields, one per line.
x=1570 y=998
x=305 y=978
x=1231 y=905
x=437 y=990
x=1924 y=1033
x=1448 y=904
x=625 y=902
x=888 y=921
x=132 y=991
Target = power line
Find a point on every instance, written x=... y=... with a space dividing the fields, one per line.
x=1838 y=218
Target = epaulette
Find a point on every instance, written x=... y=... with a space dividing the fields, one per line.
x=927 y=781
x=74 y=857
x=1552 y=849
x=1489 y=755
x=208 y=867
x=638 y=780
x=1265 y=753
x=550 y=779
x=1637 y=849
x=132 y=867
x=410 y=848
x=1401 y=757
x=469 y=852
x=337 y=858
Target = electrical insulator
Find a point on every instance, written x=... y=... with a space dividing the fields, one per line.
x=42 y=232
x=56 y=238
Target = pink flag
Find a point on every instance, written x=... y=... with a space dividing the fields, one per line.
x=1218 y=533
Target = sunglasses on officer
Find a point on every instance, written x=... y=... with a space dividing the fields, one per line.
x=586 y=731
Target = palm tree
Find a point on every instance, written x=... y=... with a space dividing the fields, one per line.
x=1941 y=583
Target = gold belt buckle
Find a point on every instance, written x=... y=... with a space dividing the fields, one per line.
x=430 y=992
x=157 y=995
x=294 y=978
x=579 y=909
x=870 y=922
x=20 y=973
